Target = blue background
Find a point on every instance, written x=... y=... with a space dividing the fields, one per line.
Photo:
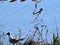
x=18 y=15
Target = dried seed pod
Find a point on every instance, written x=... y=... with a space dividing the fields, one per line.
x=36 y=0
x=22 y=0
x=12 y=0
x=41 y=9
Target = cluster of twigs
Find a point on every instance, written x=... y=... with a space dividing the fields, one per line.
x=38 y=31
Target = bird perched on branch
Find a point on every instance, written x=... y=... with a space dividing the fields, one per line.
x=13 y=41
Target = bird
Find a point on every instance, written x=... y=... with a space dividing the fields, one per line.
x=12 y=40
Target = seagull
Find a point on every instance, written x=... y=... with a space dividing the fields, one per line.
x=12 y=40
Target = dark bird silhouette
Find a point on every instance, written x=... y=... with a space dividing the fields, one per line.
x=13 y=41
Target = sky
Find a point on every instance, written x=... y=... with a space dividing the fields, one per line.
x=18 y=15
